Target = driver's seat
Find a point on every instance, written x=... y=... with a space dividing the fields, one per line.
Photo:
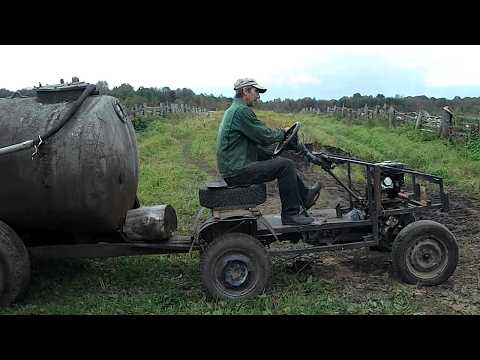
x=218 y=195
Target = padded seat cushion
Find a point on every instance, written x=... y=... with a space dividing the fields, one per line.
x=213 y=196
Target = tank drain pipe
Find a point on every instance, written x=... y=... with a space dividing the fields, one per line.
x=41 y=138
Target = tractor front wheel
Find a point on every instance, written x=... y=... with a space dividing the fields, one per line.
x=425 y=252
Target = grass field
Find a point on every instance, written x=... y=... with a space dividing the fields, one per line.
x=177 y=155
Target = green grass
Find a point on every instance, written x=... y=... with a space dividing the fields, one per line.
x=177 y=155
x=419 y=150
x=170 y=285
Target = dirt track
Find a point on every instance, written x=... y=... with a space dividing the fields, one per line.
x=363 y=273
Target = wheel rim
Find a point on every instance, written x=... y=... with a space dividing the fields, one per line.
x=235 y=274
x=427 y=257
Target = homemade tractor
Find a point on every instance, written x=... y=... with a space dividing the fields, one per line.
x=235 y=261
x=74 y=195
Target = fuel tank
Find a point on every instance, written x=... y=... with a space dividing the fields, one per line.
x=83 y=178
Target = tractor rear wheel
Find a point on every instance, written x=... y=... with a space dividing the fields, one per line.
x=235 y=266
x=14 y=265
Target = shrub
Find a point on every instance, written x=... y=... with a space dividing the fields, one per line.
x=141 y=123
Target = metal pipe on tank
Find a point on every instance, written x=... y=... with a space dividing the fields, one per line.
x=17 y=147
x=27 y=144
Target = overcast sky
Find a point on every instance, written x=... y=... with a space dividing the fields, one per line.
x=323 y=72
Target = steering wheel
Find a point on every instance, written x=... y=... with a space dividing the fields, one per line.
x=289 y=135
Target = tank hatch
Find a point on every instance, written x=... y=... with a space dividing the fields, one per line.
x=62 y=92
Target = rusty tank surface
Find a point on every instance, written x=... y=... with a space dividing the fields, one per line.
x=83 y=178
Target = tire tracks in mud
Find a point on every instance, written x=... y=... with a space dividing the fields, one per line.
x=462 y=291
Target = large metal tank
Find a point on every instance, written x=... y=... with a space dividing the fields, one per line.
x=83 y=179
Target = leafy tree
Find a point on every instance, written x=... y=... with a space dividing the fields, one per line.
x=5 y=93
x=171 y=96
x=102 y=87
x=123 y=91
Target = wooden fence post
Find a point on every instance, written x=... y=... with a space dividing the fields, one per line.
x=446 y=123
x=418 y=124
x=391 y=117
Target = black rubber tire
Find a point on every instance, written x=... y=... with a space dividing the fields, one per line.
x=216 y=198
x=429 y=234
x=227 y=248
x=14 y=265
x=136 y=203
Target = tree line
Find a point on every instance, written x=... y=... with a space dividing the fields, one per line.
x=152 y=96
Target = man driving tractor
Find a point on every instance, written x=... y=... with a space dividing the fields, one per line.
x=242 y=161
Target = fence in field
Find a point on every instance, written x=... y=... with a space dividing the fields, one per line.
x=446 y=124
x=164 y=108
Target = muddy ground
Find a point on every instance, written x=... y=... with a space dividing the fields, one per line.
x=365 y=273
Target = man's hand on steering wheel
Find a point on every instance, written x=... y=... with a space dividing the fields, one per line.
x=290 y=134
x=293 y=144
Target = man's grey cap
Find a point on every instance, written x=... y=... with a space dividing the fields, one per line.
x=240 y=83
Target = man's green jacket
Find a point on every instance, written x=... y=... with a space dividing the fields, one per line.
x=239 y=134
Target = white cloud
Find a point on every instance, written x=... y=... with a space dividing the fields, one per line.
x=209 y=67
x=174 y=66
x=439 y=65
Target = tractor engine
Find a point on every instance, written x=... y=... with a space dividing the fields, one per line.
x=392 y=180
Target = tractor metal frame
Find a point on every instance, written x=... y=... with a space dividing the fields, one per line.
x=269 y=228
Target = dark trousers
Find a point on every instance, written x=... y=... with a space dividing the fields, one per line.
x=293 y=190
